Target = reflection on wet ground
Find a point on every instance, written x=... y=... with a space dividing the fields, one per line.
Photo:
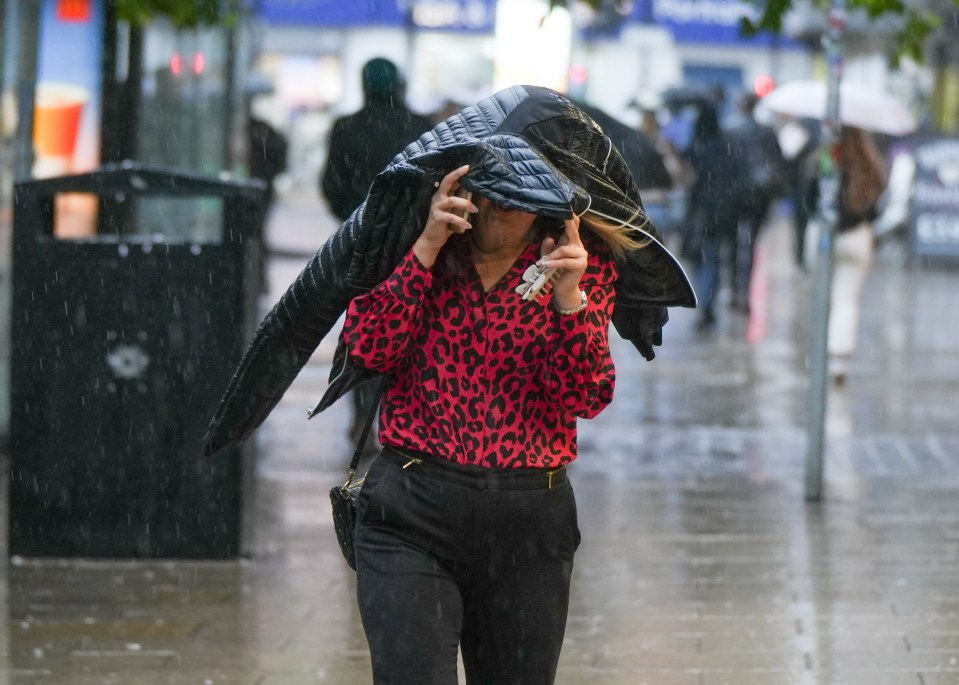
x=701 y=563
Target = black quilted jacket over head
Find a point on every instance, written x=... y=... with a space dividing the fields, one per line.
x=528 y=148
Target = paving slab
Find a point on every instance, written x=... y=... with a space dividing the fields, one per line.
x=701 y=563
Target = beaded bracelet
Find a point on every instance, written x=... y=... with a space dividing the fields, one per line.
x=578 y=308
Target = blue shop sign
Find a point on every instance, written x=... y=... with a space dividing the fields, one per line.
x=701 y=21
x=446 y=15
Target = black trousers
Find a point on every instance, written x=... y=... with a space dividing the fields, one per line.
x=452 y=556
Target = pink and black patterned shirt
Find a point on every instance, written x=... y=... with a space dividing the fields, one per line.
x=482 y=377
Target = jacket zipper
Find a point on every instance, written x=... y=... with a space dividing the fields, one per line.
x=310 y=413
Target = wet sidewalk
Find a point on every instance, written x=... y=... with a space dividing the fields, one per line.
x=701 y=563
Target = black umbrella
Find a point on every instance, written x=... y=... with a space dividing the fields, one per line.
x=679 y=97
x=638 y=150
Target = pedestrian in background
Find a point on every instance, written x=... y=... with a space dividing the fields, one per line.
x=363 y=143
x=675 y=165
x=267 y=151
x=764 y=177
x=863 y=180
x=663 y=206
x=714 y=209
x=800 y=141
x=360 y=147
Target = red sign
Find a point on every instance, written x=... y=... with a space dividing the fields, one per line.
x=73 y=10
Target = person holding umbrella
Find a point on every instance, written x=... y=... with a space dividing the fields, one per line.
x=863 y=178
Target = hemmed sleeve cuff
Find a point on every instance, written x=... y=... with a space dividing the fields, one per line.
x=410 y=281
x=568 y=326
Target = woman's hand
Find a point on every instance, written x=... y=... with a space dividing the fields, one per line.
x=446 y=217
x=569 y=255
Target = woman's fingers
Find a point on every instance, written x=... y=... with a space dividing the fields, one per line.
x=566 y=254
x=566 y=260
x=446 y=216
x=553 y=249
x=451 y=205
x=450 y=182
x=571 y=234
x=547 y=246
x=455 y=211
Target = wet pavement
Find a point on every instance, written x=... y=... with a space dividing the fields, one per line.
x=701 y=561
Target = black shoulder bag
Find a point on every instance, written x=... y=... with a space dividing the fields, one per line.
x=343 y=497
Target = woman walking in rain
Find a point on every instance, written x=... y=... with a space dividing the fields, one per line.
x=467 y=522
x=863 y=180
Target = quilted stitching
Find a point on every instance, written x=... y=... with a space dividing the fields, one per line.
x=507 y=137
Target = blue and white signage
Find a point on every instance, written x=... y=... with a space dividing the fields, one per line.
x=700 y=21
x=333 y=13
x=935 y=197
x=446 y=15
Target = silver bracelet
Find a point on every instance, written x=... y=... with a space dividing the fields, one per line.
x=578 y=308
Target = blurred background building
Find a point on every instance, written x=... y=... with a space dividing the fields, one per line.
x=79 y=87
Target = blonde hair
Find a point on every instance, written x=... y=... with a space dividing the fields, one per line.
x=620 y=236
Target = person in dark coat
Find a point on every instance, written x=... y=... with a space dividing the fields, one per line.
x=267 y=151
x=803 y=179
x=714 y=208
x=361 y=145
x=267 y=158
x=764 y=180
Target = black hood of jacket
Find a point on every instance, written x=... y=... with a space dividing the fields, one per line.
x=528 y=148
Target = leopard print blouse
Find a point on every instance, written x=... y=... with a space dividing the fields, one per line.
x=483 y=377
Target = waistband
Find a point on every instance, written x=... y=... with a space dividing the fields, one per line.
x=469 y=475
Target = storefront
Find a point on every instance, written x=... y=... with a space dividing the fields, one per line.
x=80 y=89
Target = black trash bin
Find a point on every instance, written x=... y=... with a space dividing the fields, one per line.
x=122 y=339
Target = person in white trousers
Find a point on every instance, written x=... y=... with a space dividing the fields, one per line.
x=864 y=178
x=852 y=261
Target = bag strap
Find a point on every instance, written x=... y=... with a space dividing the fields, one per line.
x=364 y=436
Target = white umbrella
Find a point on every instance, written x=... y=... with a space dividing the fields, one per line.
x=867 y=108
